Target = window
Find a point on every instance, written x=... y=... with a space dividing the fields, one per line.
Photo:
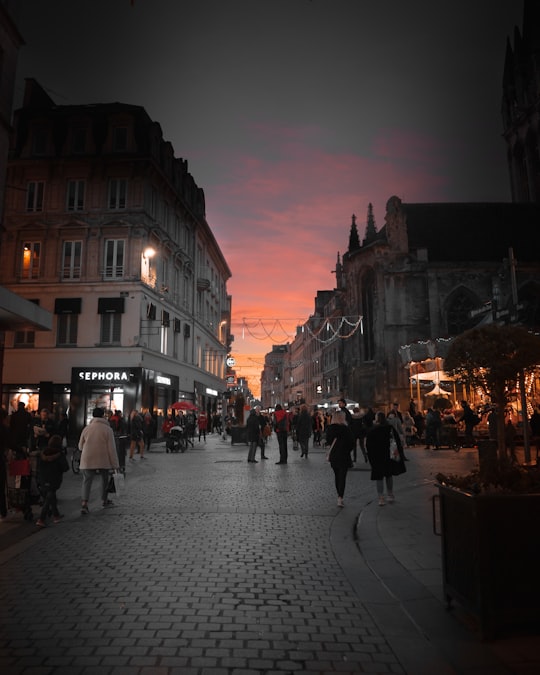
x=114 y=259
x=120 y=136
x=24 y=338
x=30 y=259
x=71 y=260
x=67 y=311
x=111 y=310
x=110 y=329
x=165 y=323
x=75 y=195
x=34 y=195
x=66 y=330
x=117 y=193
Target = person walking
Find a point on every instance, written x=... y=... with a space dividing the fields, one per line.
x=98 y=456
x=340 y=443
x=136 y=434
x=433 y=428
x=264 y=427
x=149 y=430
x=303 y=429
x=318 y=427
x=253 y=428
x=281 y=426
x=342 y=403
x=202 y=425
x=52 y=467
x=384 y=463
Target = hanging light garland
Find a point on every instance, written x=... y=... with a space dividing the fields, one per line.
x=274 y=330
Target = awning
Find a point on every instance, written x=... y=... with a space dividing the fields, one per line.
x=67 y=306
x=17 y=313
x=111 y=305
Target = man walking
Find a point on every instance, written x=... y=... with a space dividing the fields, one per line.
x=282 y=432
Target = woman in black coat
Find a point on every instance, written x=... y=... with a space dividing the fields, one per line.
x=340 y=442
x=303 y=429
x=383 y=467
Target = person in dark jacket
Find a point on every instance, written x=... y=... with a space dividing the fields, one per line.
x=383 y=466
x=253 y=429
x=281 y=427
x=303 y=429
x=52 y=466
x=20 y=427
x=340 y=442
x=470 y=419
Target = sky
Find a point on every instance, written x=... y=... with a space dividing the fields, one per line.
x=293 y=115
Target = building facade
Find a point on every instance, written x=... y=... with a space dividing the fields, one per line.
x=106 y=229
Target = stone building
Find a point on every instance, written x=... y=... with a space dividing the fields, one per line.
x=106 y=228
x=431 y=272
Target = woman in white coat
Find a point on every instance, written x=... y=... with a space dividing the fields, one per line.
x=98 y=456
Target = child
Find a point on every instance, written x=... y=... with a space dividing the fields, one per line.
x=52 y=465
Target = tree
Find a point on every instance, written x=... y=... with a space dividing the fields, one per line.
x=495 y=359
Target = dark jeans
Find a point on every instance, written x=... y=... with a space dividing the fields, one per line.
x=340 y=478
x=50 y=505
x=282 y=443
x=433 y=436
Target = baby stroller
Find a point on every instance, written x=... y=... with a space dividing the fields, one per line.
x=176 y=440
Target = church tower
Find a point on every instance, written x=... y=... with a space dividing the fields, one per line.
x=521 y=106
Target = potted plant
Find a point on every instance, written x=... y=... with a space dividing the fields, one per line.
x=489 y=517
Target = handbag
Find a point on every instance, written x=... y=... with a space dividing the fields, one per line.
x=394 y=450
x=119 y=483
x=111 y=487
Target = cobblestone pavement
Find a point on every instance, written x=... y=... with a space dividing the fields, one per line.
x=209 y=565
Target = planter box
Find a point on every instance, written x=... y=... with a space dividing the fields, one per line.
x=491 y=556
x=239 y=435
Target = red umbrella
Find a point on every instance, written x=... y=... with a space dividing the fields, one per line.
x=184 y=405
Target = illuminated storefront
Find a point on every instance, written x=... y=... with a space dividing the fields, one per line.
x=119 y=389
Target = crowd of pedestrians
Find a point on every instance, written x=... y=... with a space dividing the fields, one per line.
x=375 y=437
